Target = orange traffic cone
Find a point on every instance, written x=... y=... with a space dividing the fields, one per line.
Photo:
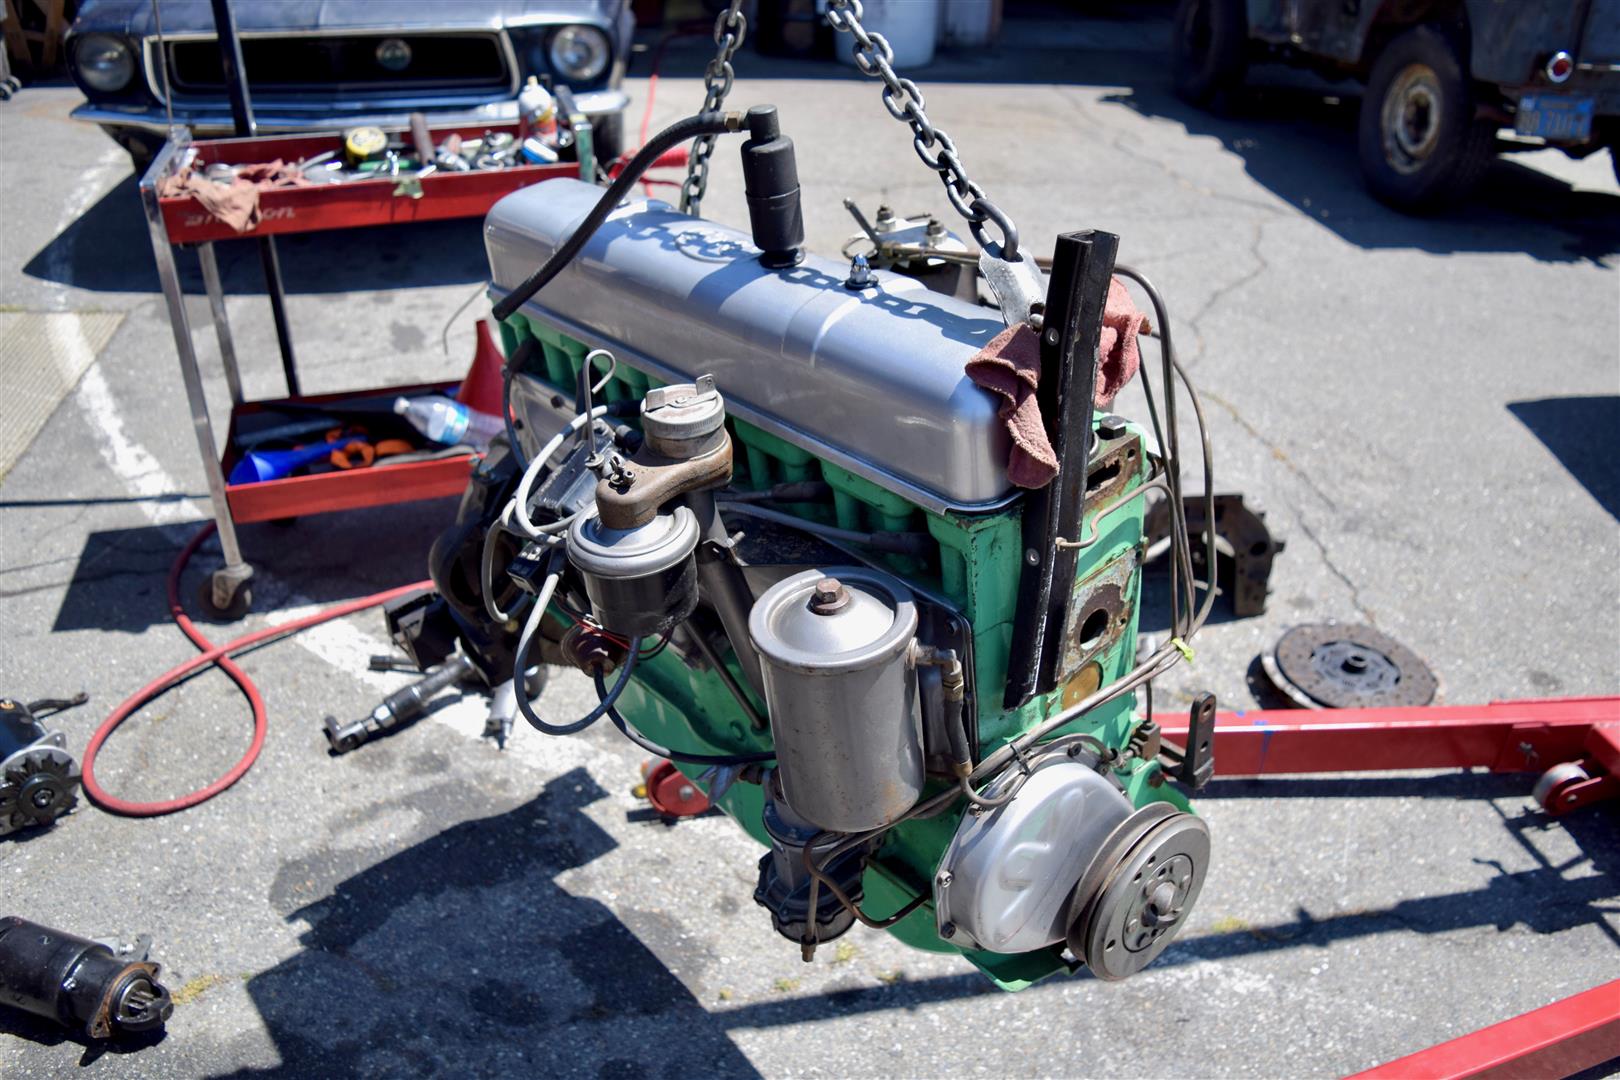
x=481 y=389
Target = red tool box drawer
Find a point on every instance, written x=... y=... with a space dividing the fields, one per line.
x=348 y=489
x=348 y=205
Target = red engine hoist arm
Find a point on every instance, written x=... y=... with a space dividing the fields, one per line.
x=1573 y=742
x=1557 y=1040
x=1503 y=736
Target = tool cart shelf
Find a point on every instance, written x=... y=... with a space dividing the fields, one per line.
x=174 y=222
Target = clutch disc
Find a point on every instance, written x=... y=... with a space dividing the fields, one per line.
x=1344 y=666
x=1144 y=895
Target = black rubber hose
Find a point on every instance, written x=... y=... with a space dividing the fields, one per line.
x=956 y=733
x=518 y=361
x=680 y=131
x=610 y=696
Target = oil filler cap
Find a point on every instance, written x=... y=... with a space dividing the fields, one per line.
x=684 y=420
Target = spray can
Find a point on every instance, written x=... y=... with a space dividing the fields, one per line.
x=537 y=112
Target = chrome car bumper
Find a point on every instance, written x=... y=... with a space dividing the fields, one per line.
x=218 y=122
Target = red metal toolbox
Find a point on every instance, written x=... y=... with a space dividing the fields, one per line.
x=444 y=194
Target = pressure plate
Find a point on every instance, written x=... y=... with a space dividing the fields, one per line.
x=1340 y=666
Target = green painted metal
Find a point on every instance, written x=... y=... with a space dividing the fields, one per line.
x=976 y=566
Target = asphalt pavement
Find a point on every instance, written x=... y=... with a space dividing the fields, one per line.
x=1429 y=410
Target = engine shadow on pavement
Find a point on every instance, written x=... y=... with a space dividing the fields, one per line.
x=467 y=933
x=462 y=953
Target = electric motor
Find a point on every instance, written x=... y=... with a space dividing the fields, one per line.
x=39 y=779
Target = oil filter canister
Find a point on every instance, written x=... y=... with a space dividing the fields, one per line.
x=641 y=581
x=835 y=648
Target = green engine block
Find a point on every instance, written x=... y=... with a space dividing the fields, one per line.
x=976 y=567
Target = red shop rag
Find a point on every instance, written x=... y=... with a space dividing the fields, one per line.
x=1010 y=368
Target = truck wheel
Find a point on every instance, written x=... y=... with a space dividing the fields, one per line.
x=1419 y=140
x=1209 y=47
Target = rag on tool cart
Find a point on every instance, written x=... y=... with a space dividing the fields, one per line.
x=1010 y=367
x=235 y=203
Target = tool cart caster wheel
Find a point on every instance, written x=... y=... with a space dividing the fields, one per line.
x=5 y=91
x=1551 y=786
x=241 y=601
x=12 y=83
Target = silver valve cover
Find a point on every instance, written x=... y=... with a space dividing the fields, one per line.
x=870 y=379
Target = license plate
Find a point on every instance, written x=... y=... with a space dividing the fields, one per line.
x=1554 y=118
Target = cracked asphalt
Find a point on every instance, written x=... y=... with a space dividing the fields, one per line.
x=1426 y=408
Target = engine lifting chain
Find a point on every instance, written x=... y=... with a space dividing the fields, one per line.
x=729 y=29
x=904 y=100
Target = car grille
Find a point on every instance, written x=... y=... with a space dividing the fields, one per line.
x=346 y=66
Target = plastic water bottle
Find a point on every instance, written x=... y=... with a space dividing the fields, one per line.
x=449 y=422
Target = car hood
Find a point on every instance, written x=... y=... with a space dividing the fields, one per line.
x=135 y=17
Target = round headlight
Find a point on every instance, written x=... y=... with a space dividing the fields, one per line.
x=104 y=62
x=579 y=53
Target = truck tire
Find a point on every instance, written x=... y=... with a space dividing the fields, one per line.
x=1209 y=48
x=1419 y=140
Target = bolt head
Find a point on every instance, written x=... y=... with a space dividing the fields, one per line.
x=944 y=878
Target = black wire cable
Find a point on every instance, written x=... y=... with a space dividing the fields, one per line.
x=610 y=696
x=514 y=364
x=690 y=128
x=605 y=705
x=680 y=131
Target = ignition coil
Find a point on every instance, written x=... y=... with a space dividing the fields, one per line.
x=39 y=779
x=77 y=982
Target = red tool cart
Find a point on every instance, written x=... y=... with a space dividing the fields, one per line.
x=381 y=201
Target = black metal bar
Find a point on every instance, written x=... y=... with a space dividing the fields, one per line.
x=1082 y=265
x=230 y=57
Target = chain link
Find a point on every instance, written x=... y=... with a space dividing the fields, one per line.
x=904 y=102
x=729 y=29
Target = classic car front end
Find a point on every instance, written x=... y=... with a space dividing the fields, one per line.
x=334 y=65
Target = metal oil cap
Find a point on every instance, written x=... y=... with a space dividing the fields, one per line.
x=835 y=618
x=626 y=553
x=683 y=420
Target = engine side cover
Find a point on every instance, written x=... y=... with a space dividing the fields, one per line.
x=1005 y=880
x=869 y=379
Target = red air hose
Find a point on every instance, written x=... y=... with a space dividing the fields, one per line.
x=211 y=654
